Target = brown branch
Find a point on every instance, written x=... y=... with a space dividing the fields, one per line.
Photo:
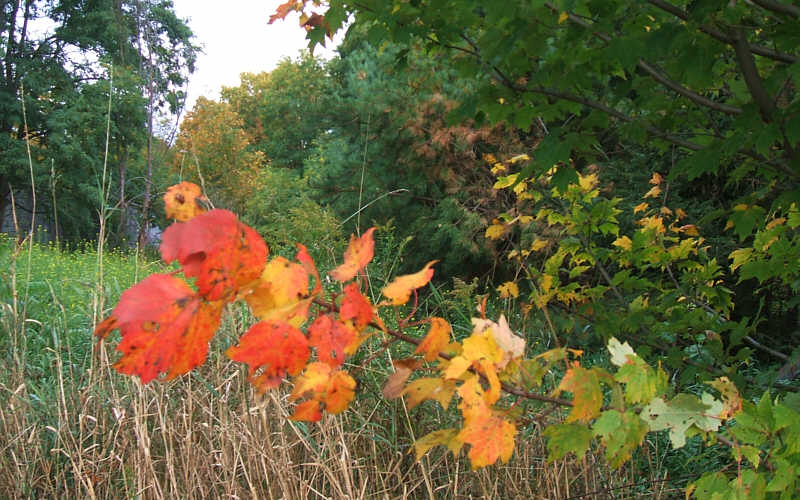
x=689 y=94
x=750 y=73
x=718 y=35
x=780 y=8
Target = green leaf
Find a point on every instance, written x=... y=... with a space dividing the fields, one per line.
x=683 y=412
x=567 y=438
x=621 y=432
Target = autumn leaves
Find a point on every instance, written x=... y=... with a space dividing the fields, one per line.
x=166 y=325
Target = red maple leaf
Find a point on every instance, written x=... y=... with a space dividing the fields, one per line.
x=355 y=306
x=165 y=327
x=332 y=339
x=220 y=251
x=273 y=347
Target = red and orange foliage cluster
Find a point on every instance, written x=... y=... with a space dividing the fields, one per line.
x=166 y=325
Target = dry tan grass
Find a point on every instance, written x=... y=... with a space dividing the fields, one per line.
x=210 y=436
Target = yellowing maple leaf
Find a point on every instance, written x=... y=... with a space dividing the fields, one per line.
x=423 y=389
x=623 y=242
x=641 y=207
x=495 y=231
x=656 y=179
x=436 y=340
x=508 y=289
x=653 y=193
x=585 y=387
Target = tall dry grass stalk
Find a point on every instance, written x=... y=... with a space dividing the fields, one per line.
x=207 y=435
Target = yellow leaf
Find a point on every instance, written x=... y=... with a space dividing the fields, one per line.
x=457 y=367
x=654 y=192
x=495 y=231
x=656 y=179
x=525 y=219
x=504 y=182
x=508 y=289
x=740 y=207
x=777 y=222
x=679 y=213
x=546 y=283
x=624 y=242
x=587 y=182
x=562 y=17
x=665 y=211
x=641 y=207
x=519 y=158
x=538 y=245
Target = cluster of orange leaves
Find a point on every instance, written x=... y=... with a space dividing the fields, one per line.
x=166 y=326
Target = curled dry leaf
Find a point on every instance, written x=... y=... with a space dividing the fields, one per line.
x=165 y=327
x=403 y=368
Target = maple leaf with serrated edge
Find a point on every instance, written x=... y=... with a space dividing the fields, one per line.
x=731 y=399
x=621 y=434
x=642 y=382
x=280 y=294
x=436 y=340
x=356 y=307
x=585 y=387
x=444 y=437
x=273 y=347
x=334 y=389
x=221 y=252
x=567 y=438
x=490 y=435
x=399 y=290
x=332 y=339
x=358 y=254
x=184 y=201
x=165 y=327
x=682 y=412
x=423 y=389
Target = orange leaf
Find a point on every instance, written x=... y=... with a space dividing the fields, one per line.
x=656 y=179
x=355 y=306
x=280 y=293
x=641 y=207
x=437 y=339
x=334 y=388
x=400 y=289
x=585 y=386
x=165 y=327
x=340 y=392
x=654 y=192
x=275 y=348
x=490 y=435
x=358 y=254
x=184 y=201
x=307 y=262
x=220 y=251
x=331 y=339
x=307 y=411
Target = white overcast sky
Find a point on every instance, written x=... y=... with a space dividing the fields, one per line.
x=236 y=38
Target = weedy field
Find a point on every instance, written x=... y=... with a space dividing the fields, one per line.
x=71 y=427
